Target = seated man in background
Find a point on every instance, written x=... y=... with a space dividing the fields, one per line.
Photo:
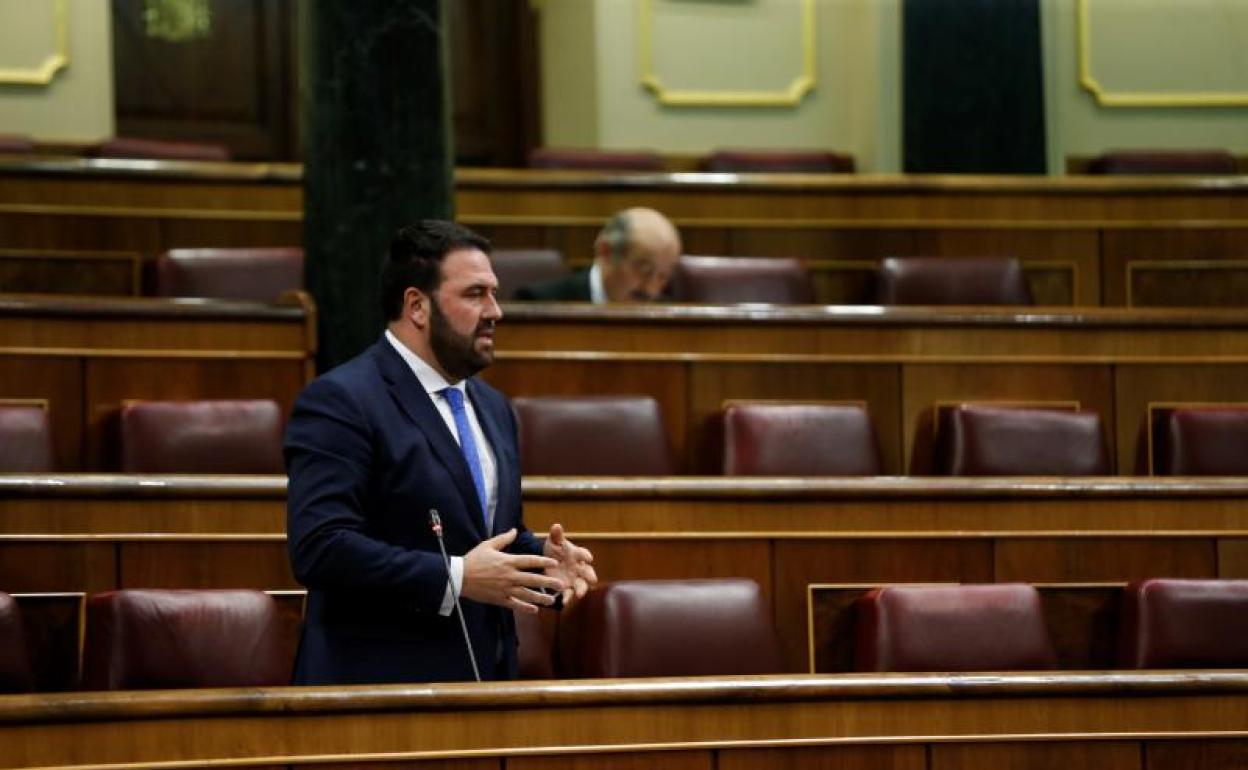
x=634 y=255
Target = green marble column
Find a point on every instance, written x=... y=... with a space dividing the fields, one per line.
x=375 y=107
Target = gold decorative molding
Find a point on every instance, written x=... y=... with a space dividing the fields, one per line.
x=790 y=96
x=55 y=62
x=1106 y=98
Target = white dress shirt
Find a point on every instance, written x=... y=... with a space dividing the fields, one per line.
x=597 y=292
x=434 y=383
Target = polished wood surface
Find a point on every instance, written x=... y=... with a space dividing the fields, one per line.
x=900 y=361
x=962 y=721
x=1076 y=235
x=86 y=356
x=93 y=533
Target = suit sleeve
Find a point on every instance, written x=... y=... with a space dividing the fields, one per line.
x=329 y=457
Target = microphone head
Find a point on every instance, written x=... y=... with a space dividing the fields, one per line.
x=435 y=521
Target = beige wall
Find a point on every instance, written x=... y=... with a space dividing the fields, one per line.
x=723 y=47
x=77 y=106
x=1176 y=46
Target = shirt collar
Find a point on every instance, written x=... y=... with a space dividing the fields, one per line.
x=429 y=378
x=597 y=292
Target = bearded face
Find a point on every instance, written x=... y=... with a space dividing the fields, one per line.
x=460 y=354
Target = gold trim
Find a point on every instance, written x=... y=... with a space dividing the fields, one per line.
x=55 y=62
x=1106 y=98
x=1180 y=265
x=42 y=403
x=790 y=96
x=1154 y=405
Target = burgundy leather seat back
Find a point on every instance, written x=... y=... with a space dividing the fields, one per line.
x=16 y=145
x=139 y=640
x=952 y=281
x=536 y=648
x=635 y=628
x=778 y=161
x=996 y=627
x=1165 y=162
x=256 y=275
x=1200 y=441
x=25 y=439
x=16 y=674
x=516 y=268
x=726 y=280
x=595 y=160
x=977 y=440
x=1168 y=623
x=773 y=439
x=156 y=149
x=593 y=436
x=201 y=437
x=156 y=639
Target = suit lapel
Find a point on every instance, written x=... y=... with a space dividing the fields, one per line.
x=406 y=390
x=494 y=434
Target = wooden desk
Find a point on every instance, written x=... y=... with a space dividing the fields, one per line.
x=84 y=356
x=899 y=361
x=1158 y=721
x=1077 y=235
x=94 y=533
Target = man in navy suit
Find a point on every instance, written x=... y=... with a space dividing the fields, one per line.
x=377 y=444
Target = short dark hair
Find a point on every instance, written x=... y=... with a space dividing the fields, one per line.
x=415 y=259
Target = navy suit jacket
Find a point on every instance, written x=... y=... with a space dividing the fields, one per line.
x=368 y=455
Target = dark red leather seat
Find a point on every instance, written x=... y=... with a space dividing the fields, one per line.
x=728 y=280
x=16 y=674
x=516 y=268
x=996 y=627
x=25 y=438
x=775 y=439
x=778 y=161
x=979 y=440
x=157 y=149
x=16 y=145
x=536 y=648
x=1164 y=162
x=252 y=274
x=201 y=437
x=1200 y=441
x=634 y=628
x=593 y=436
x=140 y=640
x=1170 y=623
x=595 y=160
x=952 y=281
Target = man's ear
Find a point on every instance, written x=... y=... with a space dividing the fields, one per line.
x=416 y=306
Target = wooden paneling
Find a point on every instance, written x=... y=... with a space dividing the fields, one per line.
x=1233 y=558
x=220 y=564
x=52 y=624
x=911 y=757
x=98 y=273
x=1115 y=755
x=1121 y=247
x=657 y=760
x=1046 y=560
x=1213 y=754
x=72 y=565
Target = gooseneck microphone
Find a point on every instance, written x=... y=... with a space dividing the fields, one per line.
x=435 y=522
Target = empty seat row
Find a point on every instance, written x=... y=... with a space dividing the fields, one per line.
x=625 y=436
x=786 y=281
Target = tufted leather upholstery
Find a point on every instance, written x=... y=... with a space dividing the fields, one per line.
x=725 y=280
x=25 y=439
x=1168 y=623
x=669 y=628
x=593 y=436
x=595 y=160
x=201 y=437
x=1164 y=162
x=132 y=147
x=138 y=640
x=15 y=670
x=254 y=274
x=952 y=281
x=778 y=161
x=977 y=440
x=516 y=268
x=769 y=439
x=996 y=627
x=1200 y=441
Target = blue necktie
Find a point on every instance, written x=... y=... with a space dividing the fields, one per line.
x=468 y=445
